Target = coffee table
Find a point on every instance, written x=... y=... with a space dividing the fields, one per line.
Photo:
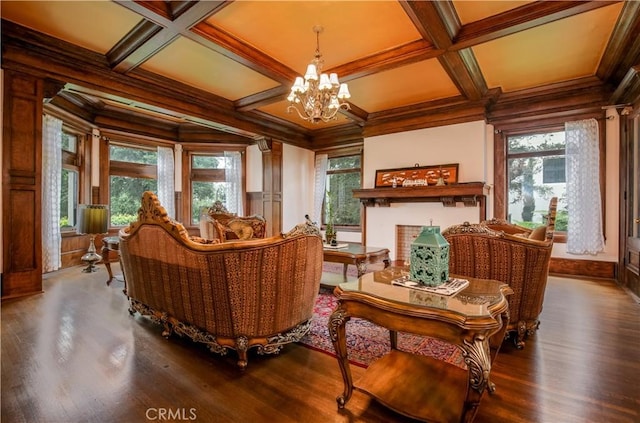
x=358 y=255
x=421 y=387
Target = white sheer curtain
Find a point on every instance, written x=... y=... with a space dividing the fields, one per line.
x=584 y=232
x=166 y=185
x=319 y=189
x=233 y=178
x=51 y=186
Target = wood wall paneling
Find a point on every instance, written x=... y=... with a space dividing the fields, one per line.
x=254 y=203
x=272 y=184
x=22 y=185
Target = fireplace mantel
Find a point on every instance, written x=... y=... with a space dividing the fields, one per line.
x=469 y=193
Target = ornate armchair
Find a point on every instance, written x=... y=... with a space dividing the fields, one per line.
x=218 y=224
x=497 y=249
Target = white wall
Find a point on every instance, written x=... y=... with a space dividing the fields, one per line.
x=297 y=185
x=254 y=169
x=468 y=144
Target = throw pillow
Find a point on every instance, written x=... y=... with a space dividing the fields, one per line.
x=242 y=229
x=539 y=233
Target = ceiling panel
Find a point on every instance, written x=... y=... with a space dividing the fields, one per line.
x=472 y=11
x=362 y=37
x=284 y=29
x=402 y=86
x=95 y=25
x=562 y=50
x=193 y=64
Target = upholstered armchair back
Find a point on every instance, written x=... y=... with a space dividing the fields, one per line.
x=227 y=226
x=235 y=295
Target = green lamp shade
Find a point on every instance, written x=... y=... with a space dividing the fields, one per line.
x=429 y=262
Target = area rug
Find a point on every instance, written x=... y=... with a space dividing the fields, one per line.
x=366 y=341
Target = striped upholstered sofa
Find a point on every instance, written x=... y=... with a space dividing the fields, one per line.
x=233 y=295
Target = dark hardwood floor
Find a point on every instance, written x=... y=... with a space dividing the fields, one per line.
x=74 y=354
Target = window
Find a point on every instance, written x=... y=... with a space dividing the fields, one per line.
x=343 y=176
x=536 y=172
x=70 y=180
x=207 y=182
x=132 y=170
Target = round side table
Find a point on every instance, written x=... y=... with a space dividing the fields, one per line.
x=110 y=253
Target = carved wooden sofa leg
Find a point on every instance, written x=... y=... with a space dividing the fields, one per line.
x=242 y=346
x=519 y=336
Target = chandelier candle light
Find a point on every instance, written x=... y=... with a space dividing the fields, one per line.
x=318 y=98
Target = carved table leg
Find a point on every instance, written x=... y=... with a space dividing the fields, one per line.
x=478 y=360
x=362 y=267
x=337 y=334
x=107 y=262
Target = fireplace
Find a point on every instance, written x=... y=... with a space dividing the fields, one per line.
x=405 y=234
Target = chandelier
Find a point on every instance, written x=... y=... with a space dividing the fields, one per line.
x=318 y=98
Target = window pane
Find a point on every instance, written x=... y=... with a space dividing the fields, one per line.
x=339 y=201
x=553 y=170
x=534 y=180
x=536 y=142
x=208 y=162
x=133 y=155
x=203 y=195
x=69 y=142
x=126 y=193
x=68 y=199
x=348 y=162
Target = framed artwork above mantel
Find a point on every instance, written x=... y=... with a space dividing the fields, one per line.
x=417 y=176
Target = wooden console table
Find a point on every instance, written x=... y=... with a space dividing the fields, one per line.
x=469 y=193
x=418 y=386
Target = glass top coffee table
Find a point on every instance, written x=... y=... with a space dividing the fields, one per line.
x=418 y=386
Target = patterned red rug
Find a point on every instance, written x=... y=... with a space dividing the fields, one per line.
x=366 y=341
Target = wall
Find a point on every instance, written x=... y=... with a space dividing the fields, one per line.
x=254 y=169
x=467 y=144
x=297 y=185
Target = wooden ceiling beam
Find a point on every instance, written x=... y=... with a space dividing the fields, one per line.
x=628 y=92
x=412 y=52
x=160 y=26
x=44 y=56
x=406 y=54
x=229 y=46
x=525 y=17
x=435 y=21
x=623 y=49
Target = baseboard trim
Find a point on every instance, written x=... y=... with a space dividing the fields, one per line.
x=583 y=268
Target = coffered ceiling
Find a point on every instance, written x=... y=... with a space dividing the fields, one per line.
x=404 y=61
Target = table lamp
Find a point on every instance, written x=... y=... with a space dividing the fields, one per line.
x=93 y=219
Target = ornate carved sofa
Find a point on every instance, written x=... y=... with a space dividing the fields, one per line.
x=218 y=224
x=497 y=249
x=233 y=295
